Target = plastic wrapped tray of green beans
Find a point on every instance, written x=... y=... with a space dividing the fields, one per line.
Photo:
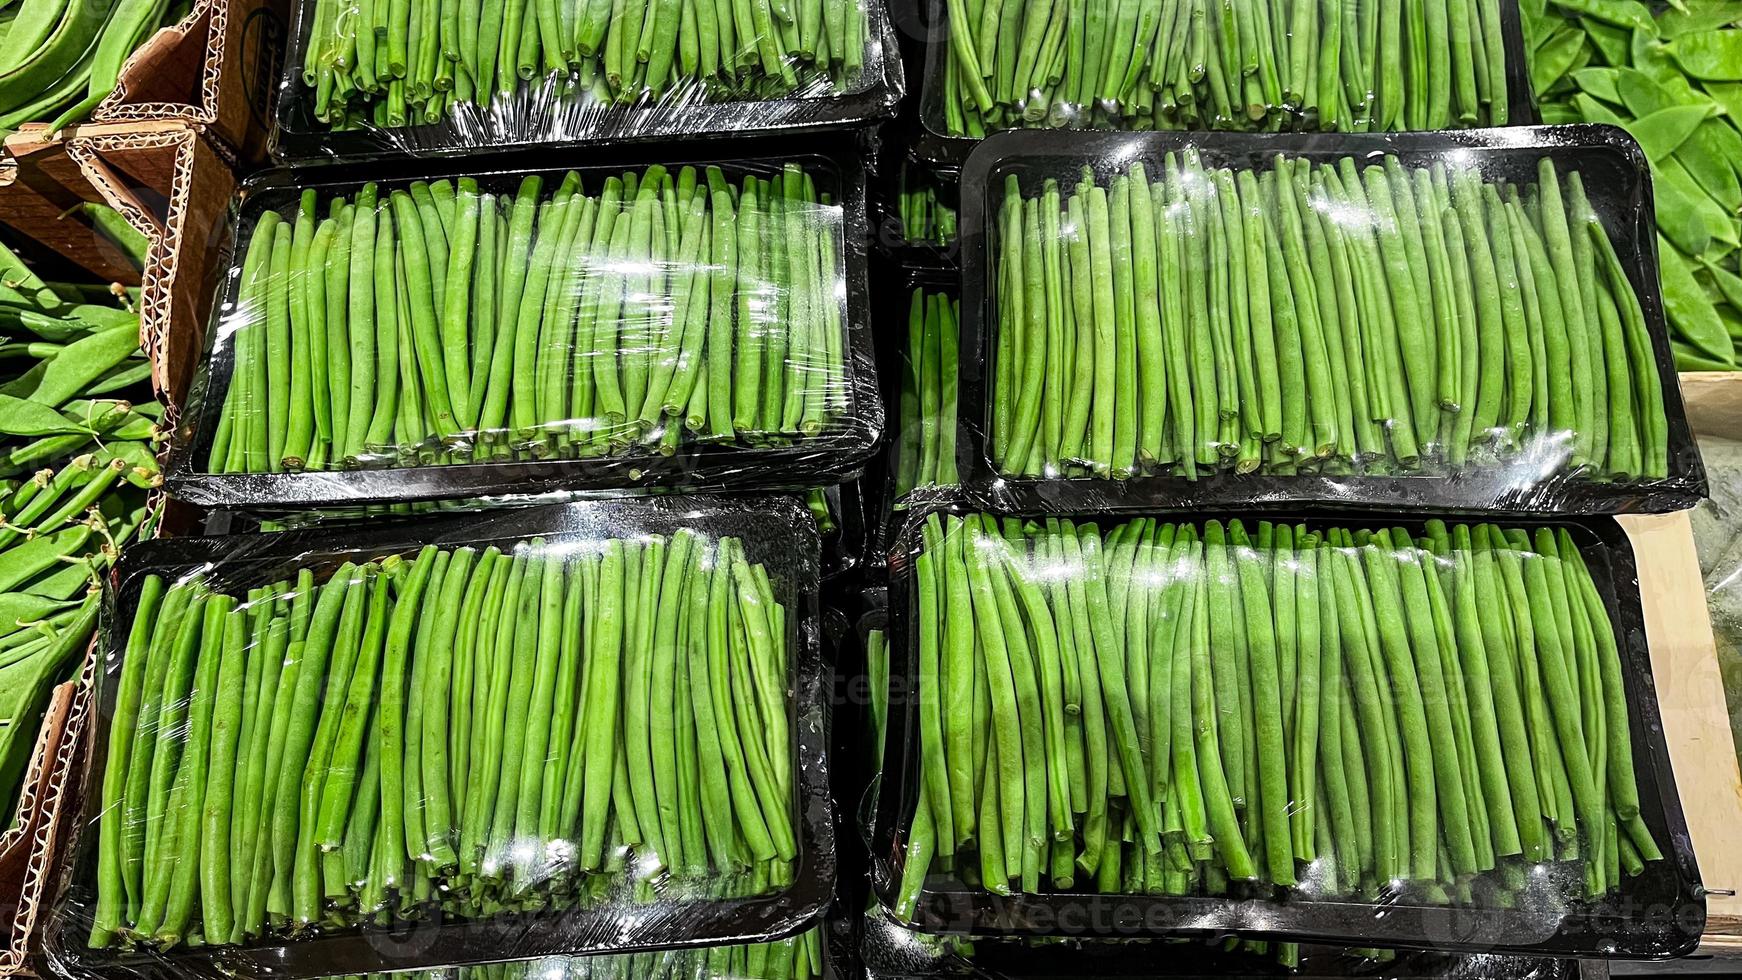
x=921 y=212
x=921 y=462
x=442 y=77
x=1467 y=320
x=592 y=727
x=1302 y=65
x=610 y=328
x=1340 y=728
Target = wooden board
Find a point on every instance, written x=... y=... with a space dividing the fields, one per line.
x=1685 y=660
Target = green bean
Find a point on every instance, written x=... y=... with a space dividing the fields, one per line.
x=1267 y=709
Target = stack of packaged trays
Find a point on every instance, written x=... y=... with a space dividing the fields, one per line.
x=513 y=680
x=1252 y=572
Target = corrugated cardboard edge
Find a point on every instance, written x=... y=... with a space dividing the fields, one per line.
x=13 y=843
x=38 y=182
x=59 y=798
x=179 y=282
x=207 y=53
x=19 y=850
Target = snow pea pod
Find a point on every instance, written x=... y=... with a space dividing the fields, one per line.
x=1708 y=55
x=1690 y=310
x=76 y=368
x=1663 y=132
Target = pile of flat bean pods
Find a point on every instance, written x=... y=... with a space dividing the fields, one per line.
x=1342 y=318
x=926 y=449
x=466 y=731
x=77 y=461
x=798 y=958
x=1673 y=79
x=1171 y=709
x=394 y=63
x=439 y=324
x=59 y=60
x=1349 y=65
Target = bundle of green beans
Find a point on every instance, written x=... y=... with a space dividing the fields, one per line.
x=1173 y=709
x=926 y=215
x=926 y=450
x=59 y=59
x=462 y=732
x=394 y=63
x=1674 y=80
x=438 y=324
x=798 y=958
x=77 y=460
x=1345 y=65
x=1333 y=318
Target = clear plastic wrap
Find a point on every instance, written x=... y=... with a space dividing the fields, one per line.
x=802 y=957
x=686 y=327
x=837 y=510
x=1717 y=526
x=894 y=952
x=571 y=71
x=595 y=727
x=1469 y=320
x=1315 y=731
x=1435 y=66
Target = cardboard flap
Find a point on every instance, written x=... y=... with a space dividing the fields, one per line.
x=1714 y=400
x=19 y=848
x=170 y=65
x=171 y=185
x=37 y=188
x=216 y=68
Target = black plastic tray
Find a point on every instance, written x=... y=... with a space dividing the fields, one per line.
x=531 y=119
x=831 y=457
x=934 y=143
x=1656 y=915
x=1616 y=177
x=775 y=531
x=843 y=550
x=891 y=952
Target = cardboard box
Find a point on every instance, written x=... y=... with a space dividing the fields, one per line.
x=217 y=69
x=1714 y=401
x=171 y=184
